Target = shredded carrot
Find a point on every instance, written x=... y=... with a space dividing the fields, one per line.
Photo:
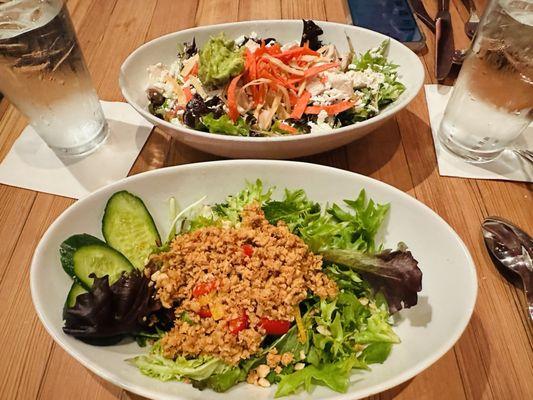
x=232 y=98
x=319 y=68
x=295 y=52
x=287 y=128
x=194 y=71
x=332 y=109
x=301 y=105
x=293 y=98
x=188 y=93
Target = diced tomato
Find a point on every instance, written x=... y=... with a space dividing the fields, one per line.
x=247 y=249
x=275 y=326
x=238 y=324
x=204 y=312
x=203 y=288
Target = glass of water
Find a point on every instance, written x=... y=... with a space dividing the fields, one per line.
x=43 y=73
x=492 y=101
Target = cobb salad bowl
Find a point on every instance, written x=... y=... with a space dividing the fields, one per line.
x=426 y=331
x=135 y=80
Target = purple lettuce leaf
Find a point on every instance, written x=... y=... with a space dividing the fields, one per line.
x=128 y=306
x=393 y=273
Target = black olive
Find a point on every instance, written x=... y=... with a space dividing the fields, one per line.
x=215 y=106
x=250 y=119
x=195 y=109
x=155 y=97
x=255 y=134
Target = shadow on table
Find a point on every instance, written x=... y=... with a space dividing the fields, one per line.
x=403 y=159
x=132 y=396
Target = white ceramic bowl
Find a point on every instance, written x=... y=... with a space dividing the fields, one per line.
x=134 y=81
x=427 y=330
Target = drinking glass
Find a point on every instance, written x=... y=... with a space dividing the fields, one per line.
x=43 y=73
x=492 y=101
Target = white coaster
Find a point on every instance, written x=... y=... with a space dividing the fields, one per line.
x=31 y=164
x=508 y=166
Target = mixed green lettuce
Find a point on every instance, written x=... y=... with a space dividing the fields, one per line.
x=155 y=365
x=372 y=101
x=336 y=336
x=225 y=125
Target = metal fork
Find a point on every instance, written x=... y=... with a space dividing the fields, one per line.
x=473 y=19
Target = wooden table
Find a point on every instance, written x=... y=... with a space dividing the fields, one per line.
x=492 y=360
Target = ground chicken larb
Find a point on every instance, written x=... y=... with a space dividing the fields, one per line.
x=224 y=281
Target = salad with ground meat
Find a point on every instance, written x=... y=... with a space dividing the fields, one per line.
x=252 y=86
x=253 y=289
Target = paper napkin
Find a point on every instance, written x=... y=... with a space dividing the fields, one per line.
x=509 y=166
x=32 y=165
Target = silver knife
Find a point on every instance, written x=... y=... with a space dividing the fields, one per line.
x=513 y=248
x=444 y=41
x=422 y=14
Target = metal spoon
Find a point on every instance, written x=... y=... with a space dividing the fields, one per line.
x=514 y=249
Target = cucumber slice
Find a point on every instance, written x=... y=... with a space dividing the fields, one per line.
x=128 y=227
x=75 y=290
x=84 y=254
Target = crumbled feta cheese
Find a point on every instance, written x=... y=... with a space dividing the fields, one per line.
x=253 y=35
x=321 y=125
x=158 y=78
x=240 y=40
x=366 y=78
x=157 y=73
x=176 y=121
x=321 y=117
x=251 y=45
x=315 y=86
x=337 y=86
x=175 y=68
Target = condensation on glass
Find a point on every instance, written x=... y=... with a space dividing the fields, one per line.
x=43 y=73
x=492 y=101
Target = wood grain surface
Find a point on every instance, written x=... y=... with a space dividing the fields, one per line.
x=492 y=360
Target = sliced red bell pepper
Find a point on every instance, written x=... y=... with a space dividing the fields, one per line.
x=204 y=312
x=204 y=287
x=247 y=249
x=275 y=326
x=238 y=324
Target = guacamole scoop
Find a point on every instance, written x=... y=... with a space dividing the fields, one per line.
x=220 y=60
